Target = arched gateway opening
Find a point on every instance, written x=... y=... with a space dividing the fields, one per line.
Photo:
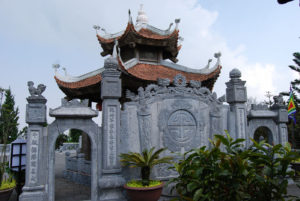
x=54 y=130
x=264 y=133
x=72 y=166
x=74 y=115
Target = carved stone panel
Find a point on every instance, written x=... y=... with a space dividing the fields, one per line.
x=36 y=113
x=179 y=127
x=34 y=154
x=111 y=88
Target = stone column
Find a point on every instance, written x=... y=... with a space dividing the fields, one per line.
x=111 y=181
x=236 y=96
x=281 y=120
x=34 y=188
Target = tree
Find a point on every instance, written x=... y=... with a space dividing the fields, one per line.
x=296 y=92
x=8 y=119
x=269 y=96
x=74 y=135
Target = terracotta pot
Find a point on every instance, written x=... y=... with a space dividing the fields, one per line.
x=144 y=193
x=5 y=194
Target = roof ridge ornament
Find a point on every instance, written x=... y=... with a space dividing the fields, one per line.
x=115 y=52
x=96 y=27
x=177 y=21
x=129 y=17
x=55 y=66
x=208 y=63
x=142 y=18
x=170 y=26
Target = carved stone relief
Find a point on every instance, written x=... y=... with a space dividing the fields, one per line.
x=179 y=127
x=144 y=117
x=179 y=87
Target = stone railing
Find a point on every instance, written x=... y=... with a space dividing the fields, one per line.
x=69 y=146
x=77 y=169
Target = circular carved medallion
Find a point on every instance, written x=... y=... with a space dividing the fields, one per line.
x=181 y=131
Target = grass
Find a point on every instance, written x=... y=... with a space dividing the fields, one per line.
x=138 y=183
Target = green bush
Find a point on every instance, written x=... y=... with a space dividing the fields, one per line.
x=227 y=171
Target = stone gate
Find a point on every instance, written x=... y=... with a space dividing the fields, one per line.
x=178 y=115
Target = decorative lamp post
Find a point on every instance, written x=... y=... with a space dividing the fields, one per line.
x=18 y=160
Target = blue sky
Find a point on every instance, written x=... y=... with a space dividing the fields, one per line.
x=258 y=37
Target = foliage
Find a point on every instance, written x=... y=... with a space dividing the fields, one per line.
x=8 y=126
x=8 y=119
x=137 y=183
x=74 y=135
x=227 y=171
x=60 y=140
x=146 y=161
x=8 y=183
x=296 y=92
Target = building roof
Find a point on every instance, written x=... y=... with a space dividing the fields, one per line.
x=136 y=71
x=143 y=34
x=86 y=85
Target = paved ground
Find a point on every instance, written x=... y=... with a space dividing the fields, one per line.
x=69 y=191
x=64 y=189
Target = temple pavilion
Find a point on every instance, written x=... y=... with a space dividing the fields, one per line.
x=144 y=53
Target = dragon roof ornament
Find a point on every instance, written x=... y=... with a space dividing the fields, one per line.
x=180 y=86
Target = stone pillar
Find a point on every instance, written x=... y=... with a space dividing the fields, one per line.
x=281 y=120
x=111 y=181
x=34 y=188
x=236 y=96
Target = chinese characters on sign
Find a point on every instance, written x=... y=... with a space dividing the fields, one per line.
x=33 y=152
x=111 y=138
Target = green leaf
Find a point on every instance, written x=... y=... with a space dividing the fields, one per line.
x=192 y=186
x=198 y=194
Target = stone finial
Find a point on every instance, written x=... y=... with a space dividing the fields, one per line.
x=235 y=74
x=35 y=92
x=142 y=17
x=111 y=63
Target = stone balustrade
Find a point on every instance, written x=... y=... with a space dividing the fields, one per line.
x=69 y=146
x=77 y=169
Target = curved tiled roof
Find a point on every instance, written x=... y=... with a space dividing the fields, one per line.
x=153 y=72
x=143 y=71
x=94 y=79
x=146 y=31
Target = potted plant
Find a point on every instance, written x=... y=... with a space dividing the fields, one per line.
x=144 y=189
x=7 y=185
